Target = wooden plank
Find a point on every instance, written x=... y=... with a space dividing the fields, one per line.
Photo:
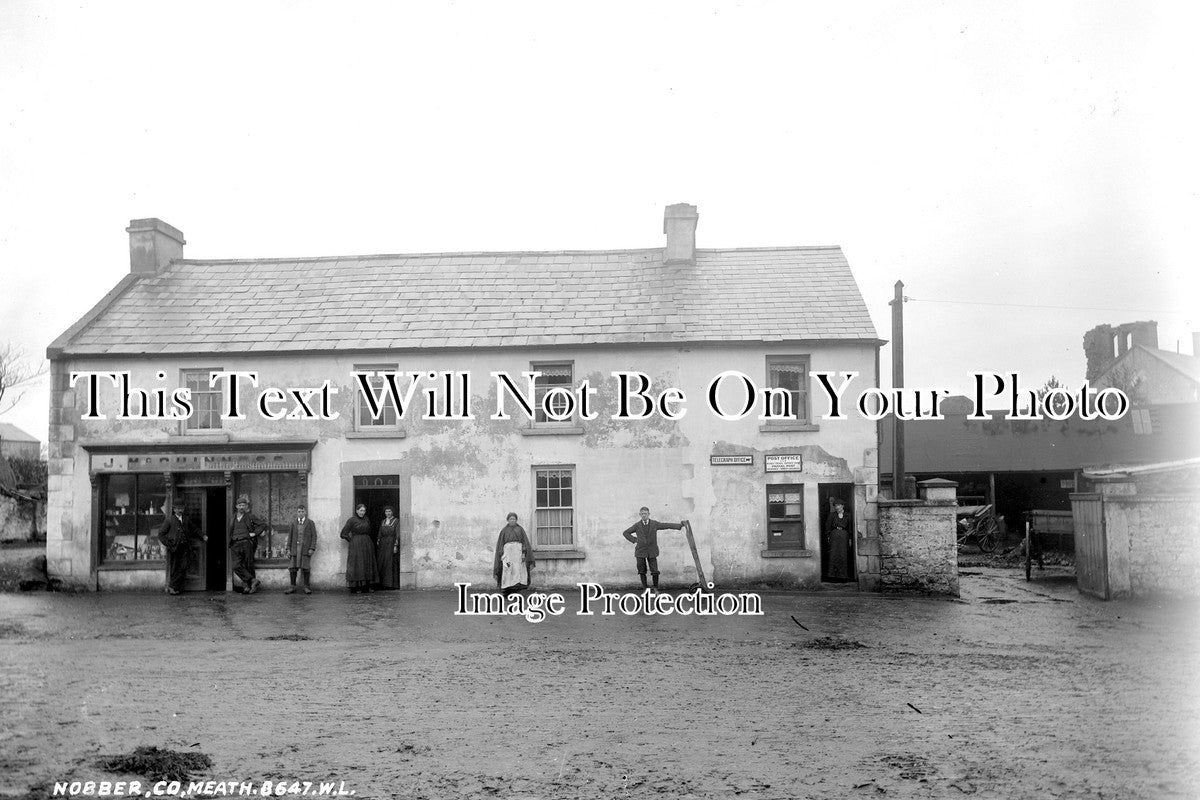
x=687 y=529
x=1091 y=546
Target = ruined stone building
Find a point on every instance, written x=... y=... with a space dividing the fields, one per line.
x=755 y=491
x=1128 y=357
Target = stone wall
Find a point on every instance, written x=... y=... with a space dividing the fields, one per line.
x=866 y=506
x=918 y=546
x=62 y=505
x=1154 y=544
x=22 y=520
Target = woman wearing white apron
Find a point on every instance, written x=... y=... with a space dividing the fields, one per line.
x=514 y=557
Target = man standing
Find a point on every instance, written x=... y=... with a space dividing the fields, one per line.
x=301 y=542
x=243 y=539
x=644 y=534
x=176 y=535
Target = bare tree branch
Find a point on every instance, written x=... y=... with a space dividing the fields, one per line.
x=16 y=374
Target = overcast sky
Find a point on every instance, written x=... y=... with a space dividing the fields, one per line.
x=1032 y=167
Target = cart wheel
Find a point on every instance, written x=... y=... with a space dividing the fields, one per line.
x=989 y=536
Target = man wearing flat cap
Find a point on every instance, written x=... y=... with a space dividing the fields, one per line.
x=176 y=535
x=244 y=529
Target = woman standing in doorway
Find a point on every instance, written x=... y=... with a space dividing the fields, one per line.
x=361 y=572
x=387 y=552
x=514 y=557
x=838 y=529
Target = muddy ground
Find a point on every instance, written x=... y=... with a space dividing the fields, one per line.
x=1015 y=691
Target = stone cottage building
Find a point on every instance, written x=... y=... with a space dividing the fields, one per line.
x=16 y=443
x=755 y=491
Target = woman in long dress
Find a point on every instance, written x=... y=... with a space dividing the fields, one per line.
x=514 y=557
x=387 y=551
x=360 y=560
x=838 y=528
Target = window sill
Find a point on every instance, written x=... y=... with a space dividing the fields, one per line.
x=558 y=555
x=781 y=553
x=788 y=427
x=566 y=430
x=208 y=436
x=394 y=433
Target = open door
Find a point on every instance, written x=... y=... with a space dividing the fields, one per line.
x=204 y=509
x=826 y=493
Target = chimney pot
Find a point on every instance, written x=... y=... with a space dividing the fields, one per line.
x=153 y=244
x=679 y=224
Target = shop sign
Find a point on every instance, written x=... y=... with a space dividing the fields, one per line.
x=788 y=462
x=731 y=461
x=265 y=461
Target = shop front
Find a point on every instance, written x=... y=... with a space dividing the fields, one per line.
x=133 y=488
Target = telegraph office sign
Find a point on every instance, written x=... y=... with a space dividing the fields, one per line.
x=731 y=461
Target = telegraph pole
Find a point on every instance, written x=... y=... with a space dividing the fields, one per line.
x=897 y=305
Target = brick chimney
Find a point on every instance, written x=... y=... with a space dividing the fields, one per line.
x=679 y=224
x=153 y=244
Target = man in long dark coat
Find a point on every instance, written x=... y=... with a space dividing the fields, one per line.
x=301 y=543
x=244 y=529
x=644 y=534
x=176 y=535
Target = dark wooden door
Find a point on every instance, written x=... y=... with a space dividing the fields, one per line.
x=826 y=493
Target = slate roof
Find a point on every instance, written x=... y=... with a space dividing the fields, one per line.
x=11 y=433
x=1188 y=365
x=467 y=300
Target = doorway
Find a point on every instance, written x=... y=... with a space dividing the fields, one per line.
x=377 y=491
x=204 y=507
x=826 y=494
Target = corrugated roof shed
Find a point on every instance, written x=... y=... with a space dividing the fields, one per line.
x=466 y=300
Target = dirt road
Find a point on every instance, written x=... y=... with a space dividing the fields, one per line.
x=1015 y=691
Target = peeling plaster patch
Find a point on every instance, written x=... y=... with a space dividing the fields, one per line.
x=736 y=553
x=651 y=433
x=818 y=462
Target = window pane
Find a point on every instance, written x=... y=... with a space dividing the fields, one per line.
x=553 y=375
x=205 y=399
x=553 y=516
x=791 y=375
x=151 y=513
x=119 y=518
x=286 y=493
x=388 y=415
x=785 y=516
x=257 y=485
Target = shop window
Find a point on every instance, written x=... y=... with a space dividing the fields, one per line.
x=389 y=418
x=558 y=375
x=207 y=401
x=554 y=506
x=790 y=374
x=273 y=499
x=134 y=507
x=785 y=517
